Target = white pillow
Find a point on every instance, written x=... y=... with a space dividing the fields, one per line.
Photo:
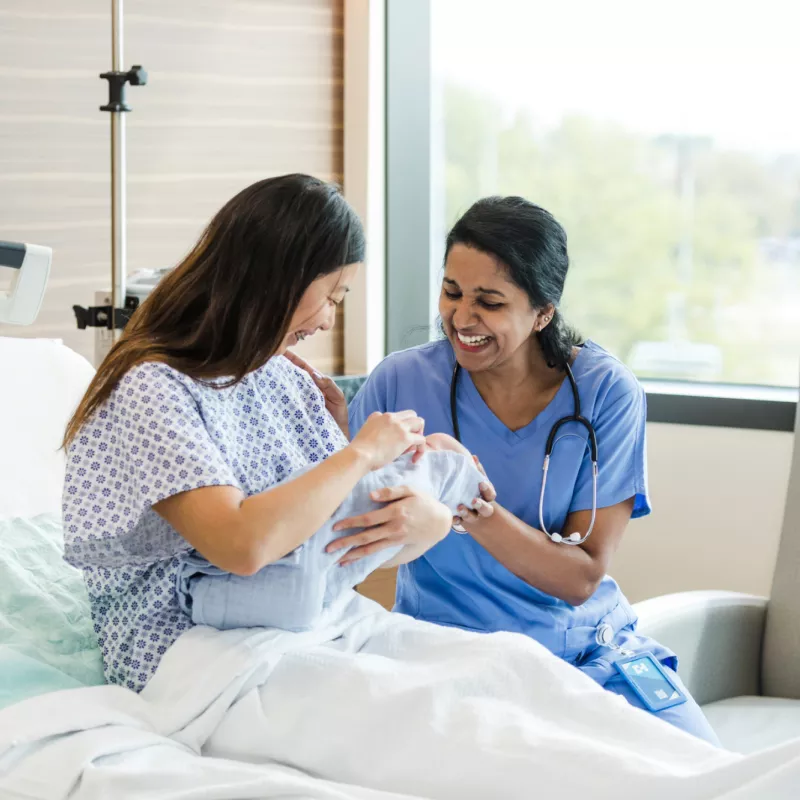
x=41 y=383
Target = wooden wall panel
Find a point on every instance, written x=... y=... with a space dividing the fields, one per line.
x=239 y=90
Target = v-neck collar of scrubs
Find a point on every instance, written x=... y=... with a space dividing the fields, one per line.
x=546 y=417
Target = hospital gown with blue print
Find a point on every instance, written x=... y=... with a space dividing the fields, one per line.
x=458 y=582
x=158 y=434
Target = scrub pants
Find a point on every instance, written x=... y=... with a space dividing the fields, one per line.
x=598 y=664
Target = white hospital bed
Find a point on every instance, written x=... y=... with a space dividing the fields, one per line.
x=42 y=381
x=383 y=707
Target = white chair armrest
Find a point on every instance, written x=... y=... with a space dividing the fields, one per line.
x=717 y=637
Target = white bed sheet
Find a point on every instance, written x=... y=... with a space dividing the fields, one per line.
x=384 y=706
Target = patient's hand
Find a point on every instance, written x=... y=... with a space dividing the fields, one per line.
x=410 y=518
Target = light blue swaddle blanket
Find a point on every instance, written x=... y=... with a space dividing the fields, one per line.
x=292 y=593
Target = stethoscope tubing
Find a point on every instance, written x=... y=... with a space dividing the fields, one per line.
x=576 y=417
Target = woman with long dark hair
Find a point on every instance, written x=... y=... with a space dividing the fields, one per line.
x=196 y=412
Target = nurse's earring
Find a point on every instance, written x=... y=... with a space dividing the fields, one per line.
x=545 y=323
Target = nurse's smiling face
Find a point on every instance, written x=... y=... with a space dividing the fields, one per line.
x=317 y=308
x=488 y=318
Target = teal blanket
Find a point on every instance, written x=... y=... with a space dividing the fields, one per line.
x=47 y=641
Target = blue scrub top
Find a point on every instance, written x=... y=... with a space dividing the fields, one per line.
x=458 y=582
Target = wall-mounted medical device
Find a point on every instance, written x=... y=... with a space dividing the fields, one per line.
x=20 y=304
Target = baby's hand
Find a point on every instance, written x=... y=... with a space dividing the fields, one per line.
x=420 y=451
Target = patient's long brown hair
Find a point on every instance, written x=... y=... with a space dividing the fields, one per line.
x=225 y=309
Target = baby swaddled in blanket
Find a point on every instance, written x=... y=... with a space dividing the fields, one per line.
x=292 y=593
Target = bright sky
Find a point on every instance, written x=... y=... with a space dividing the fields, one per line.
x=729 y=70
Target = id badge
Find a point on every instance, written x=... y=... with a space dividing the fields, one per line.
x=650 y=681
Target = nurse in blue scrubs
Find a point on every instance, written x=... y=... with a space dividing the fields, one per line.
x=505 y=268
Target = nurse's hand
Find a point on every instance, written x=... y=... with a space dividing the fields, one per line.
x=481 y=506
x=334 y=397
x=412 y=519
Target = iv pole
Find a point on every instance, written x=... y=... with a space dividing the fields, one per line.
x=118 y=313
x=119 y=266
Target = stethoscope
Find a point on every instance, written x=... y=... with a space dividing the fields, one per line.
x=573 y=538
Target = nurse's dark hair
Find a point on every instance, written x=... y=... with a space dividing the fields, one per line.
x=225 y=309
x=532 y=246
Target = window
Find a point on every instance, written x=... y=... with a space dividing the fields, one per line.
x=665 y=137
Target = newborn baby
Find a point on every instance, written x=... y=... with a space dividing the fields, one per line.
x=292 y=592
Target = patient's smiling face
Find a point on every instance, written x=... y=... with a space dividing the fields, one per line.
x=317 y=308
